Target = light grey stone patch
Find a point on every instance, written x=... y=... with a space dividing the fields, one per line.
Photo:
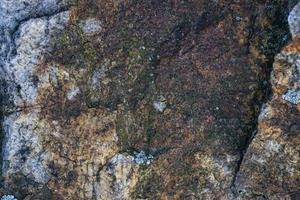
x=90 y=26
x=22 y=134
x=8 y=197
x=72 y=93
x=142 y=158
x=294 y=21
x=37 y=167
x=16 y=11
x=292 y=96
x=159 y=105
x=24 y=130
x=4 y=49
x=31 y=41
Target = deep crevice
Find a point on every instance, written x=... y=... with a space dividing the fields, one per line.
x=279 y=38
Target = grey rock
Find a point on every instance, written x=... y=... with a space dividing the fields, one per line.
x=14 y=12
x=142 y=158
x=8 y=197
x=293 y=96
x=159 y=106
x=294 y=21
x=30 y=42
x=90 y=26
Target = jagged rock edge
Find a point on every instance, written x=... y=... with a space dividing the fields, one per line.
x=261 y=109
x=5 y=78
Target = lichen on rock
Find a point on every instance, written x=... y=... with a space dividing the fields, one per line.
x=149 y=99
x=275 y=148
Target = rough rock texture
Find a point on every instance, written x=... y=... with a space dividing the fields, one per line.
x=271 y=166
x=149 y=99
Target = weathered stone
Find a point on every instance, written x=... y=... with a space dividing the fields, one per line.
x=294 y=21
x=117 y=177
x=292 y=96
x=159 y=106
x=90 y=26
x=149 y=99
x=8 y=197
x=271 y=166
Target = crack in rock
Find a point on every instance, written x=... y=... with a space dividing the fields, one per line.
x=54 y=140
x=275 y=146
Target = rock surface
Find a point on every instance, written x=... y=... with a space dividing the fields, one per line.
x=149 y=99
x=271 y=166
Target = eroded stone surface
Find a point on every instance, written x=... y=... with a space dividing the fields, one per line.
x=13 y=12
x=90 y=26
x=293 y=96
x=294 y=21
x=8 y=197
x=146 y=99
x=116 y=179
x=271 y=166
